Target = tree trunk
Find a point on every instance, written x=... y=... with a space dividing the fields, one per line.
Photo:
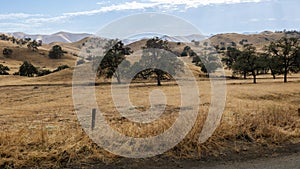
x=254 y=78
x=285 y=74
x=118 y=76
x=285 y=77
x=245 y=75
x=158 y=76
x=119 y=80
x=273 y=73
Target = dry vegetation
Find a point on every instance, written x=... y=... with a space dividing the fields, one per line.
x=39 y=126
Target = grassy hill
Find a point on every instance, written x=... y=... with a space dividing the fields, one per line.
x=38 y=58
x=258 y=40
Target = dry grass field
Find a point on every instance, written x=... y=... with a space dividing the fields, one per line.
x=39 y=126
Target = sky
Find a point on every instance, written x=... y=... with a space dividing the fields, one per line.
x=208 y=16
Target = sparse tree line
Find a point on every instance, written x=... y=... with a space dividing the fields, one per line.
x=157 y=61
x=280 y=57
x=56 y=51
x=31 y=44
x=288 y=32
x=29 y=70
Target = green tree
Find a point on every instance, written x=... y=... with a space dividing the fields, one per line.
x=286 y=52
x=27 y=69
x=56 y=52
x=230 y=57
x=245 y=62
x=184 y=53
x=187 y=51
x=3 y=70
x=33 y=45
x=209 y=63
x=157 y=55
x=7 y=52
x=114 y=56
x=271 y=64
x=248 y=62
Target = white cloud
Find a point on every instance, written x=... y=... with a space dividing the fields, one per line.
x=271 y=19
x=11 y=16
x=163 y=5
x=119 y=7
x=254 y=20
x=60 y=19
x=103 y=2
x=197 y=3
x=160 y=5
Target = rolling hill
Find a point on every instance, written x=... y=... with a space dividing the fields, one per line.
x=38 y=58
x=56 y=37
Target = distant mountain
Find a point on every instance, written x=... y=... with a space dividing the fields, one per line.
x=56 y=37
x=187 y=38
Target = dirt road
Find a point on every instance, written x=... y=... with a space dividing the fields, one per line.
x=287 y=162
x=291 y=161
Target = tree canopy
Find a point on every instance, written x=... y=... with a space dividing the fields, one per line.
x=158 y=60
x=285 y=54
x=7 y=52
x=3 y=70
x=209 y=62
x=27 y=69
x=56 y=52
x=115 y=52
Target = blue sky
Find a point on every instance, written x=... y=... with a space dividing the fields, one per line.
x=209 y=16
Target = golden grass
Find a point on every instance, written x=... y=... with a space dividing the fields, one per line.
x=38 y=58
x=38 y=124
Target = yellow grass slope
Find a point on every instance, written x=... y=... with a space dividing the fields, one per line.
x=38 y=58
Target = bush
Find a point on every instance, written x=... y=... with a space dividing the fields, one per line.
x=56 y=52
x=184 y=53
x=27 y=69
x=80 y=62
x=7 y=52
x=62 y=67
x=3 y=70
x=43 y=72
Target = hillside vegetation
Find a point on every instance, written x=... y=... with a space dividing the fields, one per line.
x=39 y=124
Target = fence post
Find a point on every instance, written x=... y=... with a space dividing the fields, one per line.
x=93 y=118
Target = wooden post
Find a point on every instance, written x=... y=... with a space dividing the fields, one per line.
x=299 y=112
x=93 y=118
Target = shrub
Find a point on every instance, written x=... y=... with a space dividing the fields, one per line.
x=27 y=69
x=56 y=52
x=3 y=70
x=80 y=62
x=43 y=72
x=7 y=52
x=62 y=67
